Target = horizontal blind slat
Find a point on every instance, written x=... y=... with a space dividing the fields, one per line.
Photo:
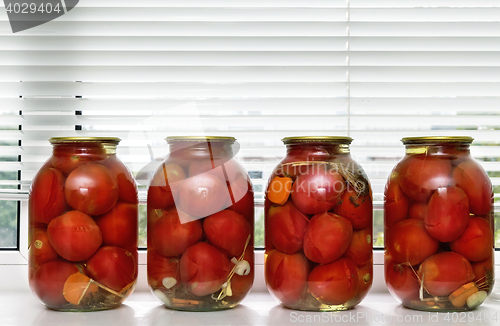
x=221 y=73
x=422 y=3
x=423 y=29
x=425 y=14
x=172 y=58
x=361 y=121
x=207 y=90
x=255 y=58
x=252 y=73
x=176 y=43
x=246 y=43
x=244 y=29
x=291 y=104
x=420 y=43
x=201 y=14
x=179 y=90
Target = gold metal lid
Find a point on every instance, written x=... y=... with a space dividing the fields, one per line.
x=67 y=140
x=172 y=139
x=437 y=139
x=321 y=139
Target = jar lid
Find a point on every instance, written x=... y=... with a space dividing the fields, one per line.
x=321 y=139
x=172 y=139
x=68 y=140
x=437 y=139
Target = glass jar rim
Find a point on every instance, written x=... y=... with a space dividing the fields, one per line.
x=319 y=139
x=69 y=140
x=172 y=139
x=437 y=140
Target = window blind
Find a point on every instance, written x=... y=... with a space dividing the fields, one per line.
x=256 y=70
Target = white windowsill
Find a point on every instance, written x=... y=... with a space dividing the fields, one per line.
x=258 y=308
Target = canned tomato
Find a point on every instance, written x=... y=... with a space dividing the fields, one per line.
x=83 y=227
x=438 y=219
x=200 y=226
x=318 y=226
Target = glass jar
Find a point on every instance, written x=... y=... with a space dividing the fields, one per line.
x=200 y=226
x=318 y=225
x=438 y=220
x=83 y=227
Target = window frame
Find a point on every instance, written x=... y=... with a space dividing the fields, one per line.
x=19 y=256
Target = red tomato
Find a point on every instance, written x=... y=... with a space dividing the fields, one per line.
x=409 y=242
x=48 y=282
x=334 y=283
x=113 y=267
x=41 y=251
x=476 y=241
x=92 y=189
x=47 y=196
x=228 y=231
x=74 y=235
x=241 y=200
x=360 y=248
x=167 y=179
x=317 y=191
x=119 y=226
x=66 y=158
x=203 y=195
x=447 y=214
x=357 y=209
x=285 y=227
x=445 y=272
x=160 y=267
x=401 y=281
x=365 y=280
x=327 y=237
x=395 y=204
x=474 y=181
x=241 y=284
x=170 y=237
x=127 y=190
x=420 y=175
x=482 y=269
x=418 y=210
x=204 y=269
x=286 y=276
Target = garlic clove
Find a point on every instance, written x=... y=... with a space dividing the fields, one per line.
x=242 y=268
x=169 y=282
x=476 y=299
x=229 y=291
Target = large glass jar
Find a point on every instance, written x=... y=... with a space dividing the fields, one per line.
x=200 y=226
x=318 y=225
x=83 y=227
x=438 y=219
